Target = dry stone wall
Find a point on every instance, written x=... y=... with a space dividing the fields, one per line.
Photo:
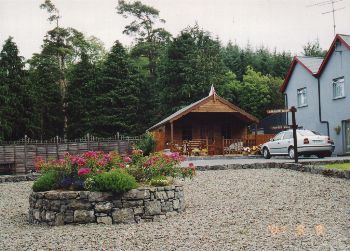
x=74 y=207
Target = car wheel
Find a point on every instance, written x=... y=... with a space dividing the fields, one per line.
x=291 y=153
x=266 y=153
x=321 y=156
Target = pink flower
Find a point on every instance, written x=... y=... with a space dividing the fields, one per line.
x=84 y=171
x=127 y=159
x=191 y=165
x=78 y=160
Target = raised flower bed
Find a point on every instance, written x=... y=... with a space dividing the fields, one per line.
x=107 y=188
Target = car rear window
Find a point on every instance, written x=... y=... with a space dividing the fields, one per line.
x=306 y=133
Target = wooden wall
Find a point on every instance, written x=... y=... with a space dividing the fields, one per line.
x=21 y=155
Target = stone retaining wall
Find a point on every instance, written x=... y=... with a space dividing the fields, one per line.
x=74 y=207
x=18 y=178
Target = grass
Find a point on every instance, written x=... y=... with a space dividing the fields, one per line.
x=343 y=166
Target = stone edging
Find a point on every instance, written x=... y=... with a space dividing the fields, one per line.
x=311 y=167
x=74 y=207
x=18 y=178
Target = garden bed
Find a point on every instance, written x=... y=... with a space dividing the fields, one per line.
x=75 y=207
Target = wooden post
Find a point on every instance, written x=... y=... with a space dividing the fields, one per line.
x=46 y=151
x=171 y=133
x=25 y=153
x=57 y=153
x=223 y=145
x=88 y=141
x=294 y=126
x=14 y=156
x=256 y=133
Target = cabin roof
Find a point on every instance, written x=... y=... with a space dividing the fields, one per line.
x=212 y=95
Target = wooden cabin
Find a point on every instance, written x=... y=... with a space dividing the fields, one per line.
x=210 y=126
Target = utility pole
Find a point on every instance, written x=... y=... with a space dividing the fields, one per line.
x=332 y=10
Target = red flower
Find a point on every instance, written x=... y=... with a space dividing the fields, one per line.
x=84 y=171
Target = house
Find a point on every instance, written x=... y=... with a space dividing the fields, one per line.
x=211 y=124
x=320 y=89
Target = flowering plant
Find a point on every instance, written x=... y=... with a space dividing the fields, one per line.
x=79 y=171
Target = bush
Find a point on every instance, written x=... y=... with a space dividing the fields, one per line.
x=147 y=144
x=160 y=181
x=138 y=173
x=113 y=181
x=46 y=182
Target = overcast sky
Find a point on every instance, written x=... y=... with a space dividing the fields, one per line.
x=281 y=24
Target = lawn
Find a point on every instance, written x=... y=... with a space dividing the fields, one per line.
x=343 y=166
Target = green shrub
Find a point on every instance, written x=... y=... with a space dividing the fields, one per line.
x=47 y=181
x=160 y=181
x=138 y=173
x=113 y=181
x=147 y=144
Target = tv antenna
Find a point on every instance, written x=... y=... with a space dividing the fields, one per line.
x=333 y=8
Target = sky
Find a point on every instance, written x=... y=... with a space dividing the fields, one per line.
x=281 y=24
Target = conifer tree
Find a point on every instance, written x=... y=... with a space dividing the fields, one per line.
x=117 y=92
x=80 y=97
x=14 y=101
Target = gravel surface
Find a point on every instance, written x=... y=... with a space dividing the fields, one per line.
x=242 y=160
x=262 y=209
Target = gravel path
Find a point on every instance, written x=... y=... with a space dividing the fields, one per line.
x=242 y=160
x=262 y=209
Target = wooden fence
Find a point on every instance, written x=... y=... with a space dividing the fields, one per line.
x=17 y=157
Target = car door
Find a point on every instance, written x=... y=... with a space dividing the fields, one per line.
x=275 y=144
x=286 y=142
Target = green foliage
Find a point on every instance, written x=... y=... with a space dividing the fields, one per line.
x=47 y=181
x=147 y=144
x=190 y=65
x=159 y=181
x=113 y=181
x=137 y=172
x=48 y=115
x=80 y=97
x=313 y=49
x=259 y=92
x=117 y=95
x=15 y=103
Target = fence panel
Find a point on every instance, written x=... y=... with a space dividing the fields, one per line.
x=22 y=154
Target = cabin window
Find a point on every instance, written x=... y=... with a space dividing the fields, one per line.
x=226 y=131
x=302 y=97
x=338 y=88
x=187 y=133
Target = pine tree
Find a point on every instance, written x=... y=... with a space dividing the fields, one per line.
x=117 y=92
x=80 y=97
x=15 y=104
x=191 y=64
x=44 y=76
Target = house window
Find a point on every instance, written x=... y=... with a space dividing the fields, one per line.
x=302 y=97
x=338 y=88
x=187 y=133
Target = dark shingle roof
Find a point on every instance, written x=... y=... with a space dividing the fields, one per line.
x=312 y=63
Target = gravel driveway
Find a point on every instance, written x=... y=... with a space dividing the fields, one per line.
x=262 y=209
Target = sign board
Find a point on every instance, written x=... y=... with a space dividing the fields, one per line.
x=277 y=111
x=281 y=127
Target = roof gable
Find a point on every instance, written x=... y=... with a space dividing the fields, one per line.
x=343 y=39
x=310 y=64
x=211 y=103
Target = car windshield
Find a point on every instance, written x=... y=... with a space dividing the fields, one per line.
x=307 y=133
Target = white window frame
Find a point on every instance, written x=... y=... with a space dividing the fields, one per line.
x=302 y=97
x=340 y=84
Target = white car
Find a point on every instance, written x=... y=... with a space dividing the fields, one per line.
x=309 y=143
